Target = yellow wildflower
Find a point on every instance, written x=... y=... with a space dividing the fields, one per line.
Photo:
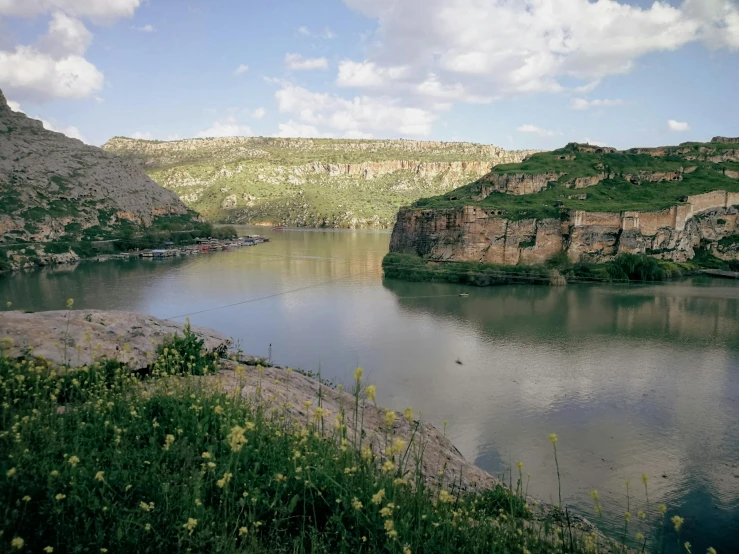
x=388 y=466
x=168 y=440
x=553 y=437
x=10 y=472
x=366 y=453
x=627 y=516
x=389 y=525
x=408 y=414
x=398 y=446
x=389 y=418
x=17 y=542
x=243 y=531
x=406 y=549
x=371 y=392
x=678 y=522
x=224 y=481
x=236 y=438
x=99 y=476
x=711 y=550
x=146 y=507
x=639 y=537
x=594 y=495
x=445 y=497
x=644 y=478
x=218 y=410
x=386 y=512
x=190 y=525
x=73 y=461
x=205 y=455
x=26 y=498
x=662 y=509
x=358 y=373
x=49 y=549
x=378 y=496
x=519 y=466
x=356 y=504
x=687 y=547
x=70 y=303
x=60 y=496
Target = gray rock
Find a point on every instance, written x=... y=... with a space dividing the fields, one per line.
x=109 y=332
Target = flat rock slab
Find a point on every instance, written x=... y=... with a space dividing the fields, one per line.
x=91 y=334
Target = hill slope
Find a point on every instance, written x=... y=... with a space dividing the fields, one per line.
x=309 y=182
x=590 y=202
x=54 y=187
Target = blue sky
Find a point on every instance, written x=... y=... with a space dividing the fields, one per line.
x=516 y=73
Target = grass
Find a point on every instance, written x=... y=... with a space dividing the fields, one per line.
x=611 y=195
x=625 y=268
x=102 y=459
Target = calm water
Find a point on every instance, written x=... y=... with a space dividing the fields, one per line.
x=634 y=379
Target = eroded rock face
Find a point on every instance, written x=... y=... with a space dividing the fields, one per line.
x=50 y=182
x=472 y=233
x=515 y=183
x=79 y=337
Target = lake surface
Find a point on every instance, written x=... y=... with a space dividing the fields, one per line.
x=634 y=379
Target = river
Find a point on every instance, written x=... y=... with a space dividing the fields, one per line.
x=633 y=378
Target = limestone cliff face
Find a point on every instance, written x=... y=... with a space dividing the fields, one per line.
x=310 y=182
x=50 y=183
x=472 y=233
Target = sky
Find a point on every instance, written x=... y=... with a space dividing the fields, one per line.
x=516 y=73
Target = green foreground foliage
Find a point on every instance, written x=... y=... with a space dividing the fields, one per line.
x=625 y=268
x=100 y=459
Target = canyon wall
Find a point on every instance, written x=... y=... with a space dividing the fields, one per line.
x=472 y=233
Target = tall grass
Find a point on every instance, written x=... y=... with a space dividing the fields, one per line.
x=99 y=459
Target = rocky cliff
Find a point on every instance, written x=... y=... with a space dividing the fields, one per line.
x=309 y=182
x=525 y=213
x=53 y=186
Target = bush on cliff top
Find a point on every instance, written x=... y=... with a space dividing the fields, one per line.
x=98 y=459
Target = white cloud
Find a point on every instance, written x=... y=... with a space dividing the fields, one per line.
x=14 y=106
x=54 y=66
x=536 y=45
x=677 y=126
x=241 y=69
x=142 y=135
x=327 y=33
x=227 y=127
x=538 y=131
x=148 y=28
x=98 y=11
x=291 y=129
x=259 y=113
x=66 y=35
x=28 y=73
x=363 y=114
x=583 y=104
x=296 y=62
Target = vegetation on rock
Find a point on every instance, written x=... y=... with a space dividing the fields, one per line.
x=640 y=179
x=309 y=182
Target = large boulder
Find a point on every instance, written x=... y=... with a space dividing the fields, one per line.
x=78 y=337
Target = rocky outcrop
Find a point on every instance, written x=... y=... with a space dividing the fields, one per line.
x=514 y=183
x=51 y=183
x=725 y=140
x=474 y=233
x=371 y=170
x=79 y=337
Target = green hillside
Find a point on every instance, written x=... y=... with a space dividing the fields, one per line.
x=309 y=182
x=702 y=167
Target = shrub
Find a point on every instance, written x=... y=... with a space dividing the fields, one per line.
x=636 y=267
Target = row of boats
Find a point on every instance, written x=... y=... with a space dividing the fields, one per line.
x=202 y=245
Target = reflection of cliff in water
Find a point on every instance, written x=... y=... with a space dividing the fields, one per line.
x=701 y=311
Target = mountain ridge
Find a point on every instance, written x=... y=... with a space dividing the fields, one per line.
x=309 y=182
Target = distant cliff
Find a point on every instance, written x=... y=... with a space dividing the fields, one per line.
x=591 y=203
x=54 y=187
x=309 y=182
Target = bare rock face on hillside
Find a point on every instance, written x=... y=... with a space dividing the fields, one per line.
x=51 y=185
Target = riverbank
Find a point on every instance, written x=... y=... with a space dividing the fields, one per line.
x=197 y=450
x=34 y=255
x=626 y=268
